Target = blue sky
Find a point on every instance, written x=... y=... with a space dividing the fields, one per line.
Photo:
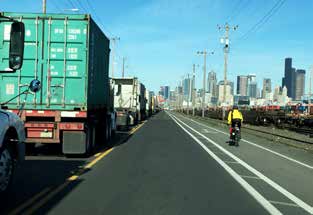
x=160 y=38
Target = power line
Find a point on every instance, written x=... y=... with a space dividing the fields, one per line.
x=264 y=19
x=55 y=5
x=82 y=6
x=98 y=18
x=235 y=15
x=72 y=4
x=235 y=8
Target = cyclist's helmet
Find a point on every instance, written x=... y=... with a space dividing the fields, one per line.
x=235 y=107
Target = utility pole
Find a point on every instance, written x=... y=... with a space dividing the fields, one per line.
x=114 y=39
x=123 y=71
x=193 y=89
x=225 y=41
x=204 y=53
x=44 y=6
x=188 y=98
x=310 y=84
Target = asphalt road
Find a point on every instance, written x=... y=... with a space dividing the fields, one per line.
x=170 y=165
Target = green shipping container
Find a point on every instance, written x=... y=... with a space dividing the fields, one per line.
x=69 y=54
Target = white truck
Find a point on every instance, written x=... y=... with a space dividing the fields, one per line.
x=129 y=101
x=12 y=132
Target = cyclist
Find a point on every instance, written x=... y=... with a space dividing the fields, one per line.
x=234 y=116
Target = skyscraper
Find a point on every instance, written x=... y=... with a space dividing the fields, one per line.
x=252 y=86
x=289 y=79
x=267 y=87
x=242 y=85
x=212 y=83
x=300 y=84
x=229 y=97
x=166 y=92
x=161 y=92
x=187 y=86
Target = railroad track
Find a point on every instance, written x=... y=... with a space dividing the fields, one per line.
x=298 y=130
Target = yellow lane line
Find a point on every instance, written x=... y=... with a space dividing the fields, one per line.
x=89 y=165
x=96 y=155
x=47 y=198
x=135 y=129
x=30 y=201
x=70 y=179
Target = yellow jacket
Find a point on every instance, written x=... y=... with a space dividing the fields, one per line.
x=237 y=115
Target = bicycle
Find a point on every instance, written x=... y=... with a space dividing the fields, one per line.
x=235 y=135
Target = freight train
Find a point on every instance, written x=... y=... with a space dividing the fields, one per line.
x=298 y=115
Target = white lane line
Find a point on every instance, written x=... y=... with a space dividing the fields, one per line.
x=284 y=204
x=276 y=186
x=256 y=145
x=232 y=162
x=206 y=131
x=250 y=177
x=254 y=193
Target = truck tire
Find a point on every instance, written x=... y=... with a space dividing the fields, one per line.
x=110 y=129
x=90 y=141
x=6 y=170
x=106 y=138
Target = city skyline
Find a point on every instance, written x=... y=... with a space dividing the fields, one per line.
x=262 y=51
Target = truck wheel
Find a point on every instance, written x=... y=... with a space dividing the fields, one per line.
x=110 y=130
x=6 y=171
x=91 y=141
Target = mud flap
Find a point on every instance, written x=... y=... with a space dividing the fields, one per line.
x=74 y=142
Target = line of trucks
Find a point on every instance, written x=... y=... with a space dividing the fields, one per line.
x=57 y=88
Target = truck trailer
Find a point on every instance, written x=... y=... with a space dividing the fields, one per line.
x=129 y=101
x=69 y=55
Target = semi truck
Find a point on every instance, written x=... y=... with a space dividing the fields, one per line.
x=12 y=134
x=69 y=55
x=129 y=101
x=149 y=103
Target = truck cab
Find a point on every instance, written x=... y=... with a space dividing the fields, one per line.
x=12 y=134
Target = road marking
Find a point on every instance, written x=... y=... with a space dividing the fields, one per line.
x=232 y=162
x=256 y=145
x=284 y=204
x=253 y=192
x=273 y=184
x=30 y=201
x=250 y=177
x=69 y=180
x=206 y=131
x=73 y=178
x=96 y=155
x=45 y=199
x=89 y=165
x=135 y=129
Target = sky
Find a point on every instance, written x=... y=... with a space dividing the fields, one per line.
x=160 y=38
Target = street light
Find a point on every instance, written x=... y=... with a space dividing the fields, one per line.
x=204 y=53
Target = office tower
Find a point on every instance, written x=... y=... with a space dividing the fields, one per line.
x=267 y=87
x=166 y=92
x=252 y=86
x=299 y=84
x=161 y=92
x=242 y=85
x=289 y=79
x=212 y=83
x=252 y=89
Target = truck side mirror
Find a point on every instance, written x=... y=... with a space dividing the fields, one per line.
x=16 y=53
x=35 y=86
